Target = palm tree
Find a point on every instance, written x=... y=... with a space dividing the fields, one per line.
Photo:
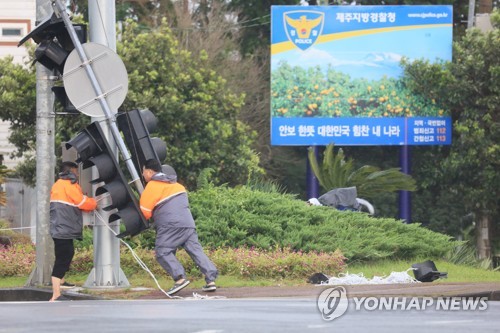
x=370 y=181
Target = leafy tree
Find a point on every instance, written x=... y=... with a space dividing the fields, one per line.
x=464 y=175
x=147 y=12
x=254 y=17
x=17 y=103
x=370 y=181
x=197 y=113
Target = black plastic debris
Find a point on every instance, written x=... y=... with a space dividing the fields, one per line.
x=427 y=272
x=318 y=278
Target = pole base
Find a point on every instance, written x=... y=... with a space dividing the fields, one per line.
x=40 y=276
x=104 y=278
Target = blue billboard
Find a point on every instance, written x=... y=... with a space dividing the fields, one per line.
x=336 y=74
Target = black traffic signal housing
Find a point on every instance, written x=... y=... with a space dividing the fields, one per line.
x=93 y=150
x=62 y=97
x=136 y=125
x=54 y=42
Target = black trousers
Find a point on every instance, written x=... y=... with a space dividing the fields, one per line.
x=64 y=250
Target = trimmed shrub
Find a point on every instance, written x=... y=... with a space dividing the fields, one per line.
x=275 y=263
x=245 y=262
x=238 y=217
x=17 y=260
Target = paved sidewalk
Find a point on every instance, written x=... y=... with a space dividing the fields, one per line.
x=432 y=289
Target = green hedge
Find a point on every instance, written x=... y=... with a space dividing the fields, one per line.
x=236 y=217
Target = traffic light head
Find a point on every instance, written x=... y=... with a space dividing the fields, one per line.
x=94 y=151
x=54 y=42
x=51 y=55
x=62 y=97
x=85 y=144
x=136 y=126
x=127 y=215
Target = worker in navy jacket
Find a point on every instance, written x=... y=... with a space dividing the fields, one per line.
x=166 y=201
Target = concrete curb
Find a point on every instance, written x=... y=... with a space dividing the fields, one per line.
x=491 y=290
x=39 y=294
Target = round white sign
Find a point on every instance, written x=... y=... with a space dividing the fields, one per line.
x=110 y=75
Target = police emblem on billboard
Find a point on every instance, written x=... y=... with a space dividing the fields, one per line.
x=303 y=27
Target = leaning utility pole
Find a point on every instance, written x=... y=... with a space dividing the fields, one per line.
x=45 y=163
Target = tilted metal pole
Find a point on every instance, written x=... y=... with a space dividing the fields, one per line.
x=100 y=95
x=106 y=272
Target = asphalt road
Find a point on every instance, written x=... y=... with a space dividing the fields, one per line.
x=232 y=315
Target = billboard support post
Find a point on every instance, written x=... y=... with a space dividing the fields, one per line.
x=405 y=196
x=312 y=187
